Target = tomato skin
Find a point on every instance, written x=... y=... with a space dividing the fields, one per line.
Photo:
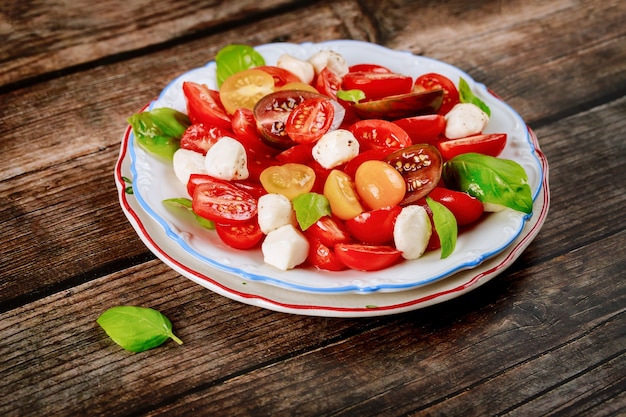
x=289 y=179
x=223 y=202
x=488 y=144
x=366 y=257
x=342 y=196
x=329 y=231
x=301 y=153
x=252 y=188
x=428 y=128
x=400 y=106
x=244 y=128
x=200 y=137
x=328 y=83
x=310 y=120
x=374 y=227
x=240 y=236
x=466 y=209
x=379 y=134
x=379 y=184
x=369 y=155
x=433 y=81
x=369 y=68
x=281 y=76
x=421 y=166
x=323 y=257
x=377 y=85
x=204 y=106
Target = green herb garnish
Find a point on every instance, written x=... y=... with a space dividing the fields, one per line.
x=234 y=58
x=467 y=96
x=445 y=225
x=159 y=130
x=309 y=208
x=186 y=204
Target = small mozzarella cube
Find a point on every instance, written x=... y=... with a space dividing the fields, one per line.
x=465 y=119
x=335 y=148
x=227 y=160
x=187 y=162
x=412 y=231
x=274 y=210
x=331 y=59
x=303 y=69
x=285 y=247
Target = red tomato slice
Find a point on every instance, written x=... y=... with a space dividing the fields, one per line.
x=200 y=137
x=366 y=257
x=329 y=231
x=310 y=120
x=379 y=134
x=328 y=83
x=223 y=202
x=368 y=155
x=374 y=227
x=255 y=189
x=244 y=128
x=466 y=209
x=281 y=75
x=428 y=128
x=421 y=167
x=323 y=257
x=434 y=81
x=240 y=236
x=369 y=68
x=377 y=85
x=298 y=154
x=204 y=106
x=488 y=144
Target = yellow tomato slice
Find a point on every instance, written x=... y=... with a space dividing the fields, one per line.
x=290 y=179
x=342 y=196
x=298 y=86
x=379 y=184
x=244 y=89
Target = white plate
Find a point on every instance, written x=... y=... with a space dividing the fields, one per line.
x=154 y=181
x=319 y=304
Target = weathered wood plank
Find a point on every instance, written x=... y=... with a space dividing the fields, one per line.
x=44 y=37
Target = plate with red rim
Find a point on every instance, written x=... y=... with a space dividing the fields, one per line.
x=200 y=255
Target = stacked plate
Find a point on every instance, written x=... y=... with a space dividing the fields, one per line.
x=198 y=254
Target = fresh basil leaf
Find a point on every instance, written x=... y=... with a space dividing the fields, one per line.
x=309 y=208
x=353 y=96
x=467 y=96
x=159 y=130
x=490 y=179
x=186 y=204
x=235 y=58
x=137 y=328
x=445 y=225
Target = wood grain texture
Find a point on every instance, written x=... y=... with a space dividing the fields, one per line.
x=546 y=337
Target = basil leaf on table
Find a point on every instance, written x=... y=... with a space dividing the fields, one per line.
x=137 y=328
x=466 y=96
x=234 y=58
x=490 y=179
x=159 y=130
x=187 y=204
x=309 y=208
x=445 y=225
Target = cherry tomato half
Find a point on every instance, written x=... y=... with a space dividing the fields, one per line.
x=369 y=68
x=428 y=128
x=365 y=257
x=466 y=209
x=400 y=106
x=245 y=89
x=200 y=137
x=433 y=81
x=488 y=144
x=379 y=134
x=323 y=257
x=244 y=128
x=374 y=227
x=240 y=236
x=377 y=85
x=223 y=202
x=204 y=106
x=421 y=167
x=310 y=120
x=281 y=76
x=271 y=114
x=342 y=196
x=379 y=184
x=328 y=83
x=329 y=231
x=290 y=179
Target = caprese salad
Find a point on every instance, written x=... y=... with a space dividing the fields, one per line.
x=319 y=163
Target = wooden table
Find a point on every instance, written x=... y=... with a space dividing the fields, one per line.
x=547 y=336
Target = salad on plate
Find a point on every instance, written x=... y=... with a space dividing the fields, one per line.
x=319 y=163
